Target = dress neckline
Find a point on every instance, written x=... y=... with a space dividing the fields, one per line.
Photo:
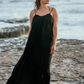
x=43 y=15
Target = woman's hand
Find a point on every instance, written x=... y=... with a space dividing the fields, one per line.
x=53 y=49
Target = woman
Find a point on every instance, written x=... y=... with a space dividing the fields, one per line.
x=34 y=65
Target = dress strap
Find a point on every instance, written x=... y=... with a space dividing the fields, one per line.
x=51 y=10
x=35 y=11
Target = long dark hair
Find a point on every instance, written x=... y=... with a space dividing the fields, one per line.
x=37 y=4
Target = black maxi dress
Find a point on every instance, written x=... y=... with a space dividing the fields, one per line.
x=34 y=65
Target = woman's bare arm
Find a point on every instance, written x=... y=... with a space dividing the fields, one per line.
x=31 y=17
x=55 y=30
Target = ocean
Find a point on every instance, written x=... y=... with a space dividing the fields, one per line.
x=71 y=15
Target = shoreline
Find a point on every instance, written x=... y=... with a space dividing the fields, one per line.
x=18 y=43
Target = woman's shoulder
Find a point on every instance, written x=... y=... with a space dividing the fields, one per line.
x=53 y=9
x=32 y=12
x=50 y=7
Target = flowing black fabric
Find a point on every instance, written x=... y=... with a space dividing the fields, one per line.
x=34 y=65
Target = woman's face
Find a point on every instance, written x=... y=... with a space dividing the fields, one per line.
x=44 y=1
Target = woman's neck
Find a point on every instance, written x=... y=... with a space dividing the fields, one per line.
x=42 y=6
